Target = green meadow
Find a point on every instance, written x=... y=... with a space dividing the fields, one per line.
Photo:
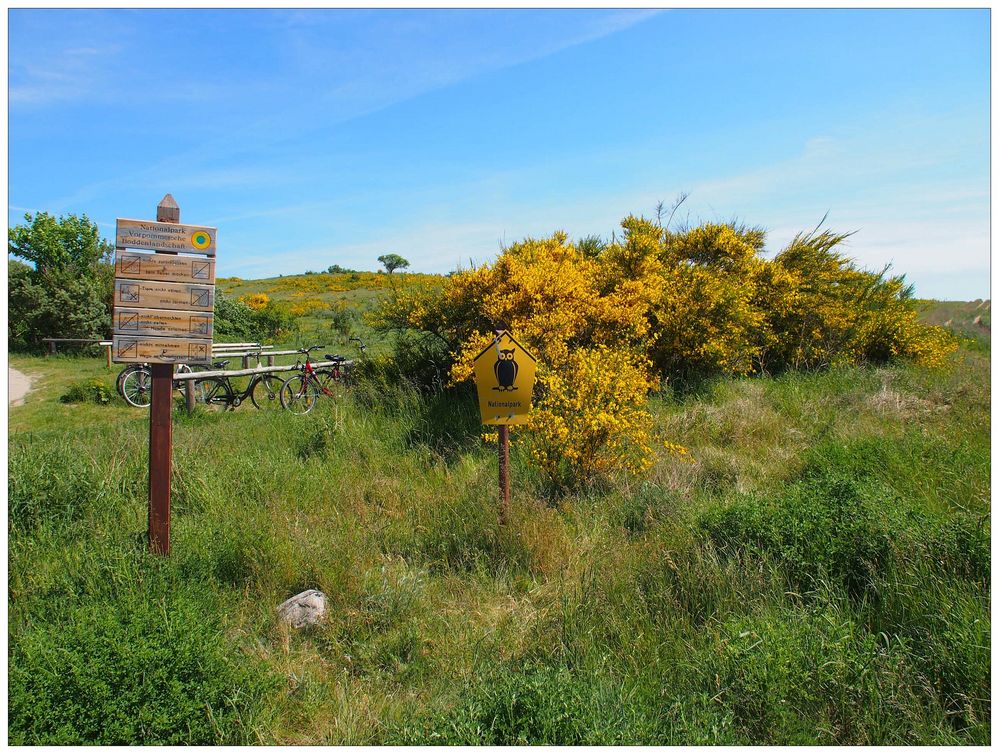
x=815 y=571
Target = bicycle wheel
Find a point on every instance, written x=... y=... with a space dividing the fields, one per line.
x=299 y=395
x=327 y=377
x=119 y=381
x=213 y=392
x=266 y=393
x=137 y=387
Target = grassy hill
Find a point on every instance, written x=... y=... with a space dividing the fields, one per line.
x=969 y=319
x=816 y=570
x=328 y=306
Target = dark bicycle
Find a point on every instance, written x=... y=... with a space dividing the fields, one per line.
x=263 y=391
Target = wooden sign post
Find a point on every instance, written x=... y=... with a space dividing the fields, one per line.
x=163 y=315
x=504 y=380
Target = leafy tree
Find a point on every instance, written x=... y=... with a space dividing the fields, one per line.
x=335 y=269
x=67 y=290
x=393 y=262
x=69 y=243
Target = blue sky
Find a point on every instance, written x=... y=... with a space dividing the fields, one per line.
x=316 y=137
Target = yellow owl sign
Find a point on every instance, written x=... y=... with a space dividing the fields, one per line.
x=504 y=378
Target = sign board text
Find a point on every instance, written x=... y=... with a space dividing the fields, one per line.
x=181 y=324
x=156 y=295
x=137 y=265
x=154 y=236
x=152 y=350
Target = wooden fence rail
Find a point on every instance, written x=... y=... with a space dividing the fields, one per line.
x=217 y=346
x=246 y=355
x=187 y=376
x=106 y=343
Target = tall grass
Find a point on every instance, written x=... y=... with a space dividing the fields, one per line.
x=816 y=572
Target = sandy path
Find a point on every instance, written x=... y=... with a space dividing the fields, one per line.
x=18 y=386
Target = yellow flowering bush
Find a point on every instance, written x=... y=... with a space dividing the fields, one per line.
x=308 y=306
x=609 y=321
x=587 y=324
x=256 y=301
x=590 y=418
x=833 y=313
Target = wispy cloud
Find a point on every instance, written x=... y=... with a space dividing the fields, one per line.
x=388 y=65
x=64 y=76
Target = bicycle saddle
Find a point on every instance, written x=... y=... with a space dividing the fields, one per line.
x=220 y=364
x=335 y=357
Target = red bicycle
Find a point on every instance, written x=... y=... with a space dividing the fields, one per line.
x=300 y=392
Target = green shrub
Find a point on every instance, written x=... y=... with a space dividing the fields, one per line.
x=137 y=673
x=822 y=526
x=67 y=292
x=233 y=318
x=236 y=320
x=273 y=321
x=423 y=361
x=341 y=317
x=92 y=391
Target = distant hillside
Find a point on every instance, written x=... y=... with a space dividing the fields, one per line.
x=309 y=293
x=972 y=319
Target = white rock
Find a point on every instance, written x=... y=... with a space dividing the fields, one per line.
x=303 y=609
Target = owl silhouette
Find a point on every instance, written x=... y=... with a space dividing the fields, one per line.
x=505 y=369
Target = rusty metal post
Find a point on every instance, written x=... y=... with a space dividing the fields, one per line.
x=161 y=429
x=504 y=473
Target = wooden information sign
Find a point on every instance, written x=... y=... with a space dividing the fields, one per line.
x=134 y=321
x=154 y=295
x=156 y=236
x=164 y=302
x=152 y=350
x=172 y=268
x=163 y=315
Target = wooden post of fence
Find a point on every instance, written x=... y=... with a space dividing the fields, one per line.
x=161 y=429
x=504 y=473
x=189 y=396
x=107 y=352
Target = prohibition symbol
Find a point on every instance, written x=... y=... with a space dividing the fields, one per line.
x=200 y=239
